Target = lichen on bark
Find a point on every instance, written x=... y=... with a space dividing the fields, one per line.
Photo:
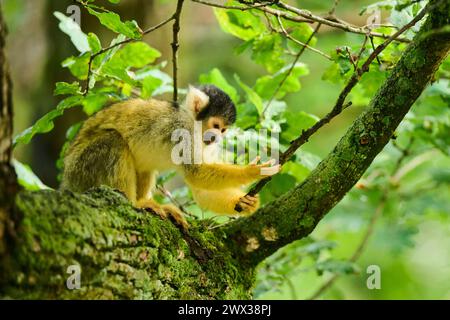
x=123 y=252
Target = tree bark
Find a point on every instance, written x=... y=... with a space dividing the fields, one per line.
x=295 y=214
x=129 y=253
x=8 y=184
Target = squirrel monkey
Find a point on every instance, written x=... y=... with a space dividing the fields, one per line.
x=124 y=146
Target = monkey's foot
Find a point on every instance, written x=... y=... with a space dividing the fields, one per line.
x=249 y=204
x=176 y=215
x=165 y=211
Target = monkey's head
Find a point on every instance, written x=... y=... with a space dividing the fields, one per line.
x=214 y=108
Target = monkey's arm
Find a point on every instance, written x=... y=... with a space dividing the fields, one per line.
x=223 y=201
x=219 y=176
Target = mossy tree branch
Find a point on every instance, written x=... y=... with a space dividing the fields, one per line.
x=295 y=214
x=123 y=252
x=8 y=184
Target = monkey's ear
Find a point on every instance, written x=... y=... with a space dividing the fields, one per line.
x=196 y=99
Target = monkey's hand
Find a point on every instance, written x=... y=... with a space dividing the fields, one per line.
x=166 y=211
x=265 y=169
x=248 y=203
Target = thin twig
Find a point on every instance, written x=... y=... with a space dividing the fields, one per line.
x=175 y=46
x=355 y=61
x=304 y=45
x=221 y=224
x=405 y=153
x=305 y=16
x=298 y=55
x=242 y=8
x=373 y=48
x=339 y=24
x=92 y=57
x=174 y=201
x=340 y=103
x=291 y=288
x=288 y=73
x=363 y=48
x=350 y=57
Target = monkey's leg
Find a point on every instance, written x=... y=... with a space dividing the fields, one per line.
x=145 y=184
x=165 y=211
x=104 y=160
x=224 y=201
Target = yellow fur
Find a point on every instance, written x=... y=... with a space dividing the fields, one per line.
x=126 y=144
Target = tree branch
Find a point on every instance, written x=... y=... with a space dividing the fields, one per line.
x=122 y=252
x=296 y=213
x=92 y=57
x=301 y=16
x=298 y=55
x=175 y=46
x=340 y=103
x=371 y=225
x=8 y=181
x=336 y=23
x=126 y=252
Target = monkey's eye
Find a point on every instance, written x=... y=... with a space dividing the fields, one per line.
x=216 y=126
x=223 y=130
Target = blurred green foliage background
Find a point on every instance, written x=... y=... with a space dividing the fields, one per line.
x=408 y=185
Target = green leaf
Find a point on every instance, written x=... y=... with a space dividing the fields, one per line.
x=63 y=88
x=149 y=85
x=267 y=51
x=307 y=159
x=215 y=77
x=317 y=247
x=278 y=185
x=166 y=80
x=398 y=235
x=94 y=42
x=241 y=24
x=94 y=102
x=248 y=115
x=166 y=177
x=114 y=1
x=133 y=55
x=332 y=74
x=252 y=96
x=295 y=123
x=70 y=135
x=78 y=66
x=267 y=85
x=297 y=170
x=301 y=32
x=337 y=266
x=113 y=22
x=102 y=59
x=340 y=69
x=73 y=30
x=45 y=124
x=27 y=178
x=136 y=55
x=274 y=115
